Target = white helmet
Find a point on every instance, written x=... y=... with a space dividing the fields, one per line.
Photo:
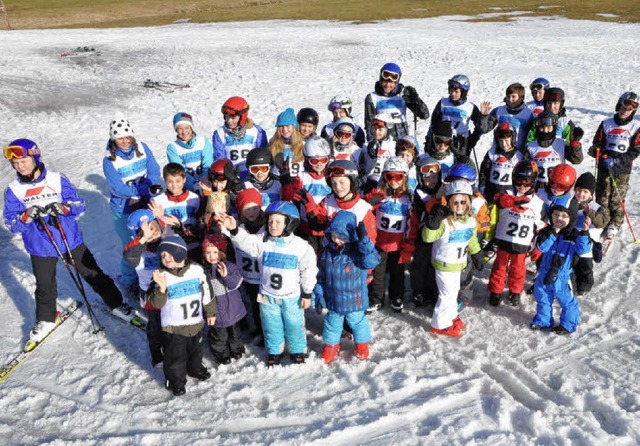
x=344 y=121
x=383 y=117
x=316 y=147
x=396 y=164
x=458 y=187
x=341 y=101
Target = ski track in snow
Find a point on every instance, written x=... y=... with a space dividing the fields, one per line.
x=499 y=384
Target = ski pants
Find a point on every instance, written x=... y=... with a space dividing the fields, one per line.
x=283 y=320
x=334 y=323
x=583 y=273
x=128 y=272
x=544 y=294
x=182 y=356
x=446 y=309
x=155 y=336
x=388 y=260
x=250 y=293
x=607 y=196
x=423 y=274
x=44 y=269
x=225 y=341
x=513 y=264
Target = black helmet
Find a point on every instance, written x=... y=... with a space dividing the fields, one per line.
x=308 y=115
x=546 y=118
x=343 y=168
x=525 y=171
x=629 y=99
x=554 y=94
x=259 y=156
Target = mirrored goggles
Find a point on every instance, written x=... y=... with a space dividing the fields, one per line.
x=430 y=168
x=389 y=76
x=17 y=152
x=343 y=134
x=393 y=176
x=318 y=160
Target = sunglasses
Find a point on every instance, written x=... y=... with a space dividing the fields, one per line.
x=261 y=168
x=535 y=87
x=460 y=203
x=390 y=76
x=393 y=176
x=403 y=145
x=378 y=123
x=441 y=140
x=17 y=152
x=343 y=134
x=430 y=168
x=339 y=171
x=523 y=183
x=320 y=160
x=629 y=104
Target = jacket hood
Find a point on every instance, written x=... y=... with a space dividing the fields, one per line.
x=344 y=225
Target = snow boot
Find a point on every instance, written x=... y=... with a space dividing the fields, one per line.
x=177 y=390
x=536 y=327
x=41 y=330
x=458 y=322
x=494 y=299
x=274 y=360
x=362 y=351
x=330 y=352
x=298 y=358
x=373 y=308
x=201 y=375
x=238 y=354
x=514 y=299
x=560 y=330
x=453 y=330
x=124 y=312
x=397 y=305
x=418 y=300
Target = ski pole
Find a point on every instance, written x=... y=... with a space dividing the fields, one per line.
x=76 y=280
x=597 y=161
x=624 y=209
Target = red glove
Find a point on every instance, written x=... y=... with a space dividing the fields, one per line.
x=405 y=257
x=535 y=254
x=506 y=201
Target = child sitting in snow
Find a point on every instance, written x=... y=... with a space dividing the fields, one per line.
x=342 y=284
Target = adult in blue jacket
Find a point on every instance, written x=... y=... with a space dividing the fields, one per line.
x=133 y=176
x=342 y=283
x=37 y=198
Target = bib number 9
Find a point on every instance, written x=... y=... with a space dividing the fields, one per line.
x=276 y=281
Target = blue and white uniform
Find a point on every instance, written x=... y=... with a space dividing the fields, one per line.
x=226 y=146
x=196 y=156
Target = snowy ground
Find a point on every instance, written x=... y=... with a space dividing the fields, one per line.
x=498 y=384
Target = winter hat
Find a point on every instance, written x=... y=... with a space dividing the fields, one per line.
x=568 y=204
x=586 y=181
x=216 y=240
x=182 y=118
x=174 y=245
x=287 y=117
x=247 y=196
x=120 y=127
x=442 y=129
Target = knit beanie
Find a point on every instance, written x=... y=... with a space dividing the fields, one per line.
x=442 y=129
x=586 y=181
x=182 y=118
x=174 y=245
x=287 y=117
x=216 y=240
x=120 y=128
x=246 y=197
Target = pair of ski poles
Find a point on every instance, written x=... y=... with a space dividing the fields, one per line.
x=77 y=280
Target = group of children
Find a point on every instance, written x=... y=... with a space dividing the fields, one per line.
x=250 y=229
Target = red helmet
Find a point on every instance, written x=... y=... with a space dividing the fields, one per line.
x=217 y=169
x=563 y=176
x=236 y=106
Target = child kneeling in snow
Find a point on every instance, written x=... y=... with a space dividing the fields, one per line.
x=342 y=283
x=225 y=278
x=184 y=298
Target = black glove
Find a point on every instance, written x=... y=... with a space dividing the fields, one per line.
x=372 y=149
x=32 y=213
x=57 y=209
x=302 y=196
x=230 y=173
x=410 y=96
x=478 y=260
x=578 y=133
x=155 y=190
x=376 y=198
x=283 y=168
x=361 y=230
x=437 y=215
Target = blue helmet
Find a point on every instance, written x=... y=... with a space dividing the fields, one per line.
x=462 y=82
x=463 y=171
x=137 y=217
x=539 y=81
x=390 y=71
x=289 y=211
x=22 y=148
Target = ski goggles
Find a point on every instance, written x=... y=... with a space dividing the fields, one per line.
x=343 y=134
x=442 y=140
x=389 y=76
x=378 y=123
x=629 y=104
x=430 y=168
x=226 y=110
x=403 y=145
x=536 y=87
x=217 y=177
x=318 y=160
x=259 y=168
x=393 y=176
x=339 y=171
x=560 y=187
x=523 y=183
x=17 y=152
x=453 y=85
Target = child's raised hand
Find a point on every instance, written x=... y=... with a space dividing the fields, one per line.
x=205 y=184
x=157 y=209
x=485 y=107
x=586 y=223
x=225 y=220
x=222 y=269
x=170 y=220
x=160 y=280
x=149 y=232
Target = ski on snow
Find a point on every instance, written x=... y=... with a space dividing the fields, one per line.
x=30 y=346
x=168 y=87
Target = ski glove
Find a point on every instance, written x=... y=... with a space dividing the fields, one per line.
x=478 y=260
x=404 y=258
x=155 y=190
x=302 y=196
x=57 y=209
x=372 y=149
x=507 y=201
x=361 y=230
x=437 y=215
x=376 y=198
x=32 y=213
x=283 y=168
x=578 y=133
x=609 y=162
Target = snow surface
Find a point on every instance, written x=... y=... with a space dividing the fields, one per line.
x=498 y=384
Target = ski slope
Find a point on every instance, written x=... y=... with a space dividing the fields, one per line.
x=499 y=384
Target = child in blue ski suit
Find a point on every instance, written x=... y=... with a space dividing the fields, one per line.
x=559 y=243
x=342 y=283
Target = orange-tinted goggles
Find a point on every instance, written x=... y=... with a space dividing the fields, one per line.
x=260 y=168
x=393 y=176
x=430 y=168
x=320 y=160
x=17 y=152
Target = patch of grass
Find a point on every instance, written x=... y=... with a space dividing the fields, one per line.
x=126 y=13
